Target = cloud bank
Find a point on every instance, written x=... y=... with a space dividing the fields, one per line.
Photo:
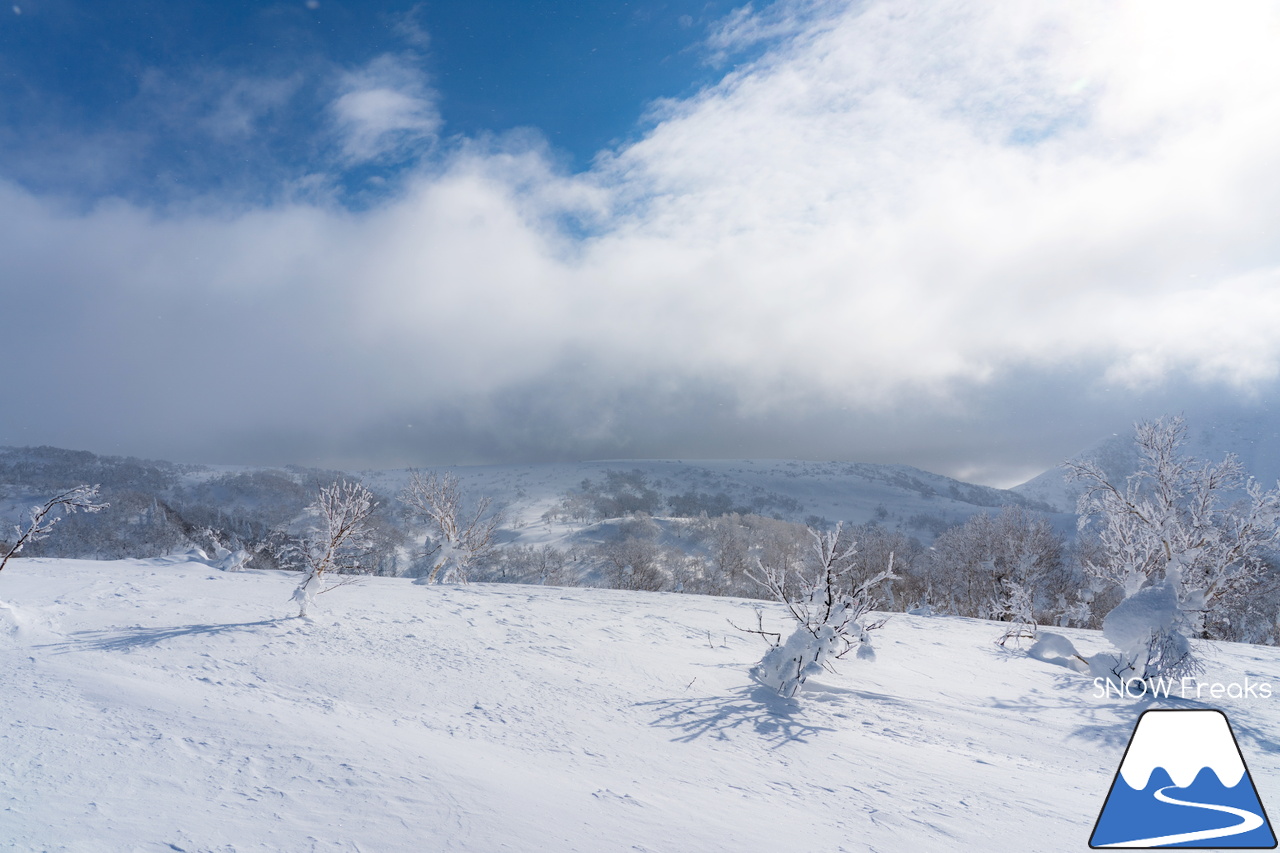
x=875 y=238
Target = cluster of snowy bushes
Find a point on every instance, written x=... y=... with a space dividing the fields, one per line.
x=1189 y=543
x=979 y=569
x=1182 y=549
x=531 y=564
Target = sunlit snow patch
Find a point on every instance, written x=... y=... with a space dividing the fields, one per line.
x=1183 y=783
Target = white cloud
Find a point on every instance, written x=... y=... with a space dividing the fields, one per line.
x=895 y=205
x=385 y=107
x=925 y=194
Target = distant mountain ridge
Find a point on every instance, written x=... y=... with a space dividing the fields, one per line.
x=160 y=505
x=1252 y=436
x=149 y=495
x=898 y=497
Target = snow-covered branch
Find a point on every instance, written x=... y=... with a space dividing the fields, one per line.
x=43 y=518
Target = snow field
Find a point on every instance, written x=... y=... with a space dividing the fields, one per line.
x=160 y=706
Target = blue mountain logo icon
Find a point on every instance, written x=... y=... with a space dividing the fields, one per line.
x=1183 y=783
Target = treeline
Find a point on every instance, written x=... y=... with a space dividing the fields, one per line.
x=623 y=493
x=975 y=569
x=154 y=510
x=623 y=531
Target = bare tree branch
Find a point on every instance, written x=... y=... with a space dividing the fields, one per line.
x=43 y=518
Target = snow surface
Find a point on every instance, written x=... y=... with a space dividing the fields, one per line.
x=162 y=706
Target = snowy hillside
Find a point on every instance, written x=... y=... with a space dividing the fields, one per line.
x=159 y=507
x=164 y=706
x=898 y=497
x=1254 y=438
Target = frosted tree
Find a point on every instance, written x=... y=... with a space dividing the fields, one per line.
x=1179 y=538
x=634 y=563
x=1005 y=567
x=43 y=518
x=829 y=609
x=457 y=536
x=337 y=543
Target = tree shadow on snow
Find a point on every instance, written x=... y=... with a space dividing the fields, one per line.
x=753 y=708
x=1248 y=733
x=127 y=639
x=1104 y=721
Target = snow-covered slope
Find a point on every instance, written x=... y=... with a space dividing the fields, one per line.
x=164 y=706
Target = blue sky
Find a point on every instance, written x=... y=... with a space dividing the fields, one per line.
x=970 y=237
x=159 y=101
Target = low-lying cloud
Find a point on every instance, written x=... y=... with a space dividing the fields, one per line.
x=898 y=213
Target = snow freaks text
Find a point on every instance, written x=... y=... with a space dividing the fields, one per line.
x=1182 y=688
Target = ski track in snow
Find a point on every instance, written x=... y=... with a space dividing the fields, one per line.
x=148 y=707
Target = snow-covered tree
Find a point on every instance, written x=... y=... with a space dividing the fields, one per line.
x=338 y=541
x=634 y=564
x=43 y=518
x=1006 y=567
x=730 y=551
x=829 y=609
x=532 y=564
x=458 y=535
x=1179 y=537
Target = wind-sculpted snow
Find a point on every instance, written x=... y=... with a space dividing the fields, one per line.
x=172 y=706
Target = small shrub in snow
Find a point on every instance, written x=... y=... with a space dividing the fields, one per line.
x=1017 y=607
x=1150 y=630
x=829 y=608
